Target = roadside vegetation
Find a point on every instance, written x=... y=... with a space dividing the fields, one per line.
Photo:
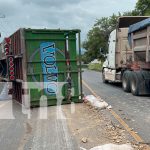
x=95 y=66
x=96 y=44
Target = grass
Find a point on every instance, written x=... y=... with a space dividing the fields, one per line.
x=95 y=66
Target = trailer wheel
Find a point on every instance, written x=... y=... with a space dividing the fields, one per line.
x=136 y=80
x=126 y=81
x=103 y=77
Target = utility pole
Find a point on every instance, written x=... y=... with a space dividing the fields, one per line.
x=1 y=16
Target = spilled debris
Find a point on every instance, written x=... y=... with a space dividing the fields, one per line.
x=94 y=129
x=112 y=147
x=84 y=140
x=96 y=102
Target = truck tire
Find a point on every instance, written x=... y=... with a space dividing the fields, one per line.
x=126 y=81
x=103 y=77
x=136 y=80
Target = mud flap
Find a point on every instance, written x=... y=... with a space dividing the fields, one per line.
x=144 y=82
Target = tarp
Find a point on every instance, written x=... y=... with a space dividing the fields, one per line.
x=137 y=26
x=140 y=25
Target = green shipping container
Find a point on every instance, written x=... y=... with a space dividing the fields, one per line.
x=47 y=62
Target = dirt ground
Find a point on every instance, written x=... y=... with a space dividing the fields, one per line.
x=92 y=127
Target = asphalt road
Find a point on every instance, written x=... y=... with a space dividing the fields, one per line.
x=135 y=111
x=46 y=129
x=17 y=132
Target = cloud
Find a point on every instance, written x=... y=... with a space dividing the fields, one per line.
x=66 y=14
x=8 y=7
x=51 y=3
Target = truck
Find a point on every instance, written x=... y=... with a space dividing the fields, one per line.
x=128 y=58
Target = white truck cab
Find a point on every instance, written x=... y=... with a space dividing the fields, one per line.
x=112 y=47
x=109 y=64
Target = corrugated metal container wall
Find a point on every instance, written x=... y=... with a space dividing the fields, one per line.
x=42 y=55
x=15 y=50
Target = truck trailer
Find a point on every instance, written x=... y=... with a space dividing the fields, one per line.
x=42 y=62
x=128 y=59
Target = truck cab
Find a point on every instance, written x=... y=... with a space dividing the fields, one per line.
x=109 y=74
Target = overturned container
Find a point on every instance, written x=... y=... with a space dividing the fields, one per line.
x=43 y=62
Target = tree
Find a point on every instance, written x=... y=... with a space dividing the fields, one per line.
x=131 y=13
x=97 y=37
x=143 y=7
x=107 y=24
x=93 y=43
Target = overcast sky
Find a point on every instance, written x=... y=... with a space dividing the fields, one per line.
x=66 y=14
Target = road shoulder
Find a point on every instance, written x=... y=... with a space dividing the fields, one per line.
x=92 y=127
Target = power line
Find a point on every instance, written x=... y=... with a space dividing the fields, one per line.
x=1 y=16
